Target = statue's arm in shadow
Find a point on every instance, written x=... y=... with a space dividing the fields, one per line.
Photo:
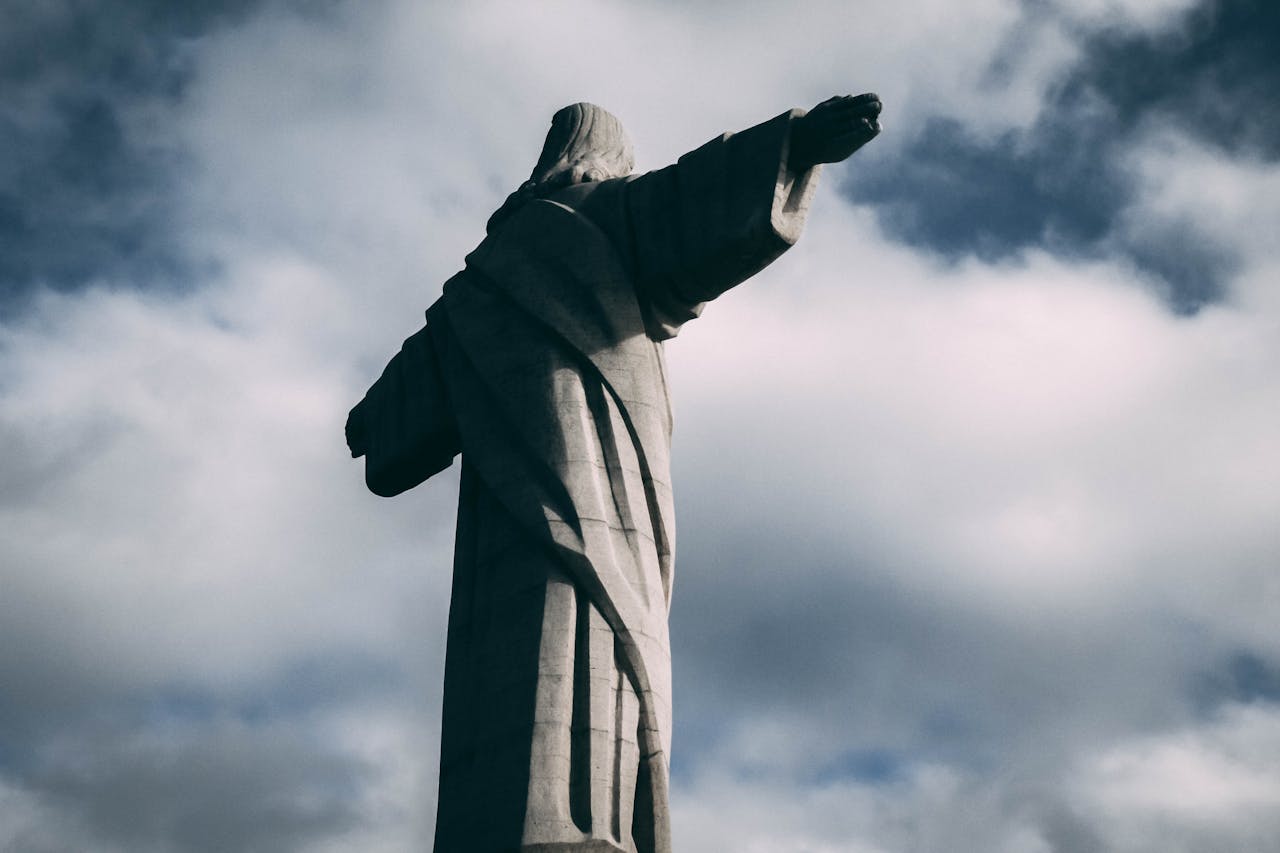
x=724 y=211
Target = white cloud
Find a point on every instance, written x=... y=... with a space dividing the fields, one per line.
x=1215 y=785
x=1051 y=426
x=1209 y=786
x=930 y=808
x=185 y=470
x=1231 y=201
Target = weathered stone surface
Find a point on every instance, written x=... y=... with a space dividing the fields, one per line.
x=542 y=365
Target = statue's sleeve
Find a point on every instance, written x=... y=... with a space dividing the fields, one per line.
x=405 y=425
x=713 y=219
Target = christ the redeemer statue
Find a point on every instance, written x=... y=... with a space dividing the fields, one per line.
x=542 y=365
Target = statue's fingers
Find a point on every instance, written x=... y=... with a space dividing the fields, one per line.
x=868 y=107
x=865 y=129
x=857 y=107
x=860 y=124
x=831 y=104
x=844 y=100
x=851 y=100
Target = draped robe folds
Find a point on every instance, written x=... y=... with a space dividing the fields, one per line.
x=542 y=364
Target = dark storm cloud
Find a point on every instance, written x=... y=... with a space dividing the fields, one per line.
x=88 y=179
x=208 y=788
x=1062 y=183
x=878 y=766
x=1215 y=76
x=1244 y=677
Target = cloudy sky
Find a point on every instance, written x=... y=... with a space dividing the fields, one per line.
x=977 y=488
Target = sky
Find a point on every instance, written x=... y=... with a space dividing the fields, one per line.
x=977 y=487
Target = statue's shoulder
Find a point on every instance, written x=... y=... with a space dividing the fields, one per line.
x=602 y=204
x=583 y=213
x=551 y=232
x=586 y=198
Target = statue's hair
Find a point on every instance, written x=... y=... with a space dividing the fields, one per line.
x=585 y=143
x=582 y=132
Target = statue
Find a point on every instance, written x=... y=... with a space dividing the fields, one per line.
x=542 y=364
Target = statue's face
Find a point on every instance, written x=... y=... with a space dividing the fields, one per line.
x=593 y=167
x=587 y=168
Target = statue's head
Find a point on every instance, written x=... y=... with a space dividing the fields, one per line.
x=585 y=143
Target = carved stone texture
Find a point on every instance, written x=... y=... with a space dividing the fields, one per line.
x=542 y=364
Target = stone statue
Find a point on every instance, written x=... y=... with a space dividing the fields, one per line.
x=542 y=364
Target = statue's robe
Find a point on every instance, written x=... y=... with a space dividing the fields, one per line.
x=542 y=364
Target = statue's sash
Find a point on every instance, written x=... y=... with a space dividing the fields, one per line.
x=561 y=270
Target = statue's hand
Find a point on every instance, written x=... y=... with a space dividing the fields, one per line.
x=834 y=129
x=357 y=438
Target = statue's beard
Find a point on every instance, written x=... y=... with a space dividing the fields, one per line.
x=583 y=169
